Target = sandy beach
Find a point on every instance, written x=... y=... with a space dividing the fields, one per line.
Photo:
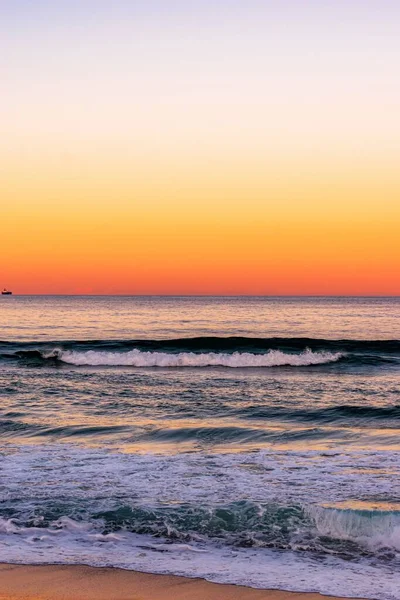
x=65 y=582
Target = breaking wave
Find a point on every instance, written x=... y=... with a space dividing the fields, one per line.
x=232 y=352
x=241 y=524
x=137 y=358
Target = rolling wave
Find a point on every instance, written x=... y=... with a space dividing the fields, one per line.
x=217 y=344
x=137 y=358
x=329 y=414
x=201 y=436
x=231 y=352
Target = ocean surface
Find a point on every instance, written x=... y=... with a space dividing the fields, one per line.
x=244 y=440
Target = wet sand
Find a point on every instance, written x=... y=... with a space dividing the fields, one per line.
x=28 y=582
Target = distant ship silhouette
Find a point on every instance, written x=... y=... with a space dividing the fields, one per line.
x=6 y=292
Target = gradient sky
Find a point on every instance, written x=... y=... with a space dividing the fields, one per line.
x=200 y=146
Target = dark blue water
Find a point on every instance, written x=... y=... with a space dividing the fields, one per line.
x=249 y=440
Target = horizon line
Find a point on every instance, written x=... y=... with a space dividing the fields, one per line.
x=94 y=295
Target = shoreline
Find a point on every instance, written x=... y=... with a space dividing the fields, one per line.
x=80 y=582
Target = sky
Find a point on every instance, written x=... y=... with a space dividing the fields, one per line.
x=200 y=147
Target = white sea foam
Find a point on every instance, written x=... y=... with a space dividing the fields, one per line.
x=137 y=358
x=40 y=476
x=258 y=567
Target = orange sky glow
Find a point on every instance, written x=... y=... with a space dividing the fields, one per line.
x=212 y=150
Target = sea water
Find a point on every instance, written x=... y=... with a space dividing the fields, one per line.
x=244 y=440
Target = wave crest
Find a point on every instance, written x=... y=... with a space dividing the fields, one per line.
x=137 y=358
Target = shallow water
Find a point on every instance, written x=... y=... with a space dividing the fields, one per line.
x=250 y=440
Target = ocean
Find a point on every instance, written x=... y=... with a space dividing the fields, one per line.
x=249 y=440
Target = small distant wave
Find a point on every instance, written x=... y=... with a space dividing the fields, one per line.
x=328 y=414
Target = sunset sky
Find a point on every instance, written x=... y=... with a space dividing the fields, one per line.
x=200 y=146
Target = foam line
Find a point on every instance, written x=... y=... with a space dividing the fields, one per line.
x=137 y=358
